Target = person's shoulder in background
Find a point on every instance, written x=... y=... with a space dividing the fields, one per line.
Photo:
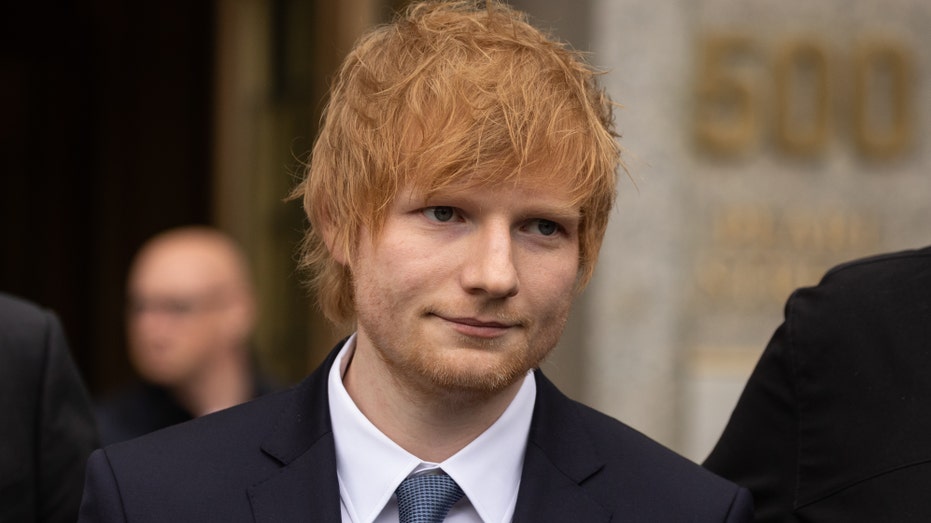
x=832 y=424
x=882 y=268
x=48 y=427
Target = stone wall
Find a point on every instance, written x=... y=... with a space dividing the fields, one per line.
x=766 y=142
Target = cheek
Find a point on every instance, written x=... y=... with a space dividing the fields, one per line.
x=207 y=335
x=551 y=276
x=549 y=300
x=409 y=265
x=144 y=336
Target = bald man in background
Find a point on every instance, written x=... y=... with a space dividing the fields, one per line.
x=191 y=312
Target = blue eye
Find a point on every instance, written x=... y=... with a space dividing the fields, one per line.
x=547 y=228
x=440 y=214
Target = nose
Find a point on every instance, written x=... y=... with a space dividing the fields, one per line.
x=147 y=323
x=488 y=266
x=150 y=318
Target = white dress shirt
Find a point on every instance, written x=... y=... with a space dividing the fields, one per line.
x=370 y=466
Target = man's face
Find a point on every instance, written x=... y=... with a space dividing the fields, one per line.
x=470 y=290
x=181 y=312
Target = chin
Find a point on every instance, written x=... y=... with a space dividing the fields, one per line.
x=478 y=371
x=157 y=374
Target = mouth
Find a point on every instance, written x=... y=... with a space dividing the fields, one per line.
x=478 y=327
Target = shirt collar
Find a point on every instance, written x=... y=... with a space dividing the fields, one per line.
x=488 y=469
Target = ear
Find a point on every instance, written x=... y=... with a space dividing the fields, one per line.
x=334 y=239
x=241 y=316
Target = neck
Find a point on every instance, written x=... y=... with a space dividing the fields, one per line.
x=430 y=423
x=226 y=382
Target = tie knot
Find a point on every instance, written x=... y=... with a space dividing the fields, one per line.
x=427 y=498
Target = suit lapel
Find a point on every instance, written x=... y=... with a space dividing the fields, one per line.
x=306 y=488
x=560 y=456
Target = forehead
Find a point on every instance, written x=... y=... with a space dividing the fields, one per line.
x=537 y=183
x=179 y=268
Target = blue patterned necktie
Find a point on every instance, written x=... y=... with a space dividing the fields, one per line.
x=427 y=498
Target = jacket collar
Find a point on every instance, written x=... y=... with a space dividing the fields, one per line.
x=302 y=442
x=560 y=457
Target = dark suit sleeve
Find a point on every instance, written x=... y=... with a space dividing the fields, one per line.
x=67 y=430
x=102 y=502
x=759 y=446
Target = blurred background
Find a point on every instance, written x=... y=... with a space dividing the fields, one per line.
x=767 y=141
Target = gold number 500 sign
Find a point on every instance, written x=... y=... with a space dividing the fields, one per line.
x=731 y=95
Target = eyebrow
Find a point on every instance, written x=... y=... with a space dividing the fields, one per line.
x=563 y=212
x=553 y=210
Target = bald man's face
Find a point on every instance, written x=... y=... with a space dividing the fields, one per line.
x=189 y=305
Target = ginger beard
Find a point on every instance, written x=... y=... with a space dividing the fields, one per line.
x=452 y=364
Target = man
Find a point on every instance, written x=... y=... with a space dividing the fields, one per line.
x=190 y=315
x=46 y=424
x=458 y=193
x=833 y=424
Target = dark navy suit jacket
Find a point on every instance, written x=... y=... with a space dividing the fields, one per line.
x=273 y=459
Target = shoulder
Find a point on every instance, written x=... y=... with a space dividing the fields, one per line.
x=203 y=469
x=892 y=289
x=627 y=471
x=896 y=269
x=15 y=307
x=233 y=442
x=906 y=259
x=566 y=421
x=203 y=466
x=48 y=431
x=136 y=410
x=851 y=360
x=631 y=453
x=32 y=344
x=219 y=436
x=23 y=323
